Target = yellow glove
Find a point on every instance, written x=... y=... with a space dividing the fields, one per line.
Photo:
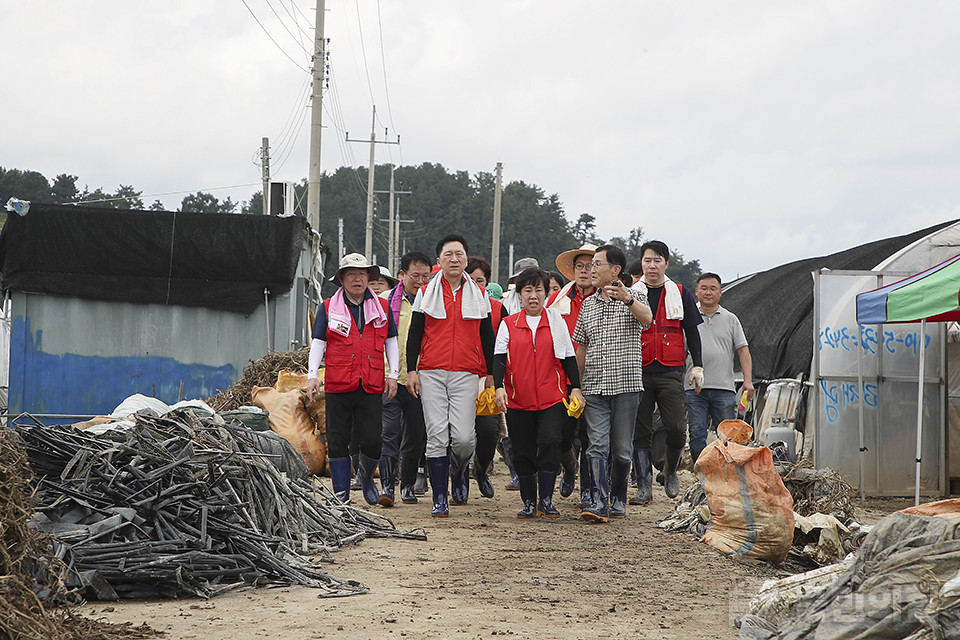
x=573 y=407
x=487 y=402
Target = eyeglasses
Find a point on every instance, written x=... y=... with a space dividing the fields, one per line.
x=597 y=265
x=583 y=266
x=418 y=277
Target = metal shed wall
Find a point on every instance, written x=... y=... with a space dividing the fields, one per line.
x=83 y=357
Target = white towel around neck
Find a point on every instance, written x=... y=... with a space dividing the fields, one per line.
x=672 y=300
x=474 y=305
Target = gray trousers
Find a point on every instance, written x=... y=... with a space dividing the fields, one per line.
x=449 y=401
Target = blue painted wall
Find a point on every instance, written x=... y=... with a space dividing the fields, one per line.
x=76 y=384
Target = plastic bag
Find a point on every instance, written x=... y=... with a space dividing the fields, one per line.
x=290 y=419
x=487 y=402
x=752 y=511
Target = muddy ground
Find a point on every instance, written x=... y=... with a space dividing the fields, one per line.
x=484 y=573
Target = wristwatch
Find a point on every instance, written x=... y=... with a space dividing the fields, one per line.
x=632 y=300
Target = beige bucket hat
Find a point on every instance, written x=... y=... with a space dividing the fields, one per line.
x=565 y=259
x=356 y=261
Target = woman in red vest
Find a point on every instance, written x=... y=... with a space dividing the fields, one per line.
x=533 y=359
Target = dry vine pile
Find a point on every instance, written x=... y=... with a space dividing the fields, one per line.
x=259 y=373
x=27 y=569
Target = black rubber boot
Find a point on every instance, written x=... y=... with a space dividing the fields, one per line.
x=408 y=476
x=671 y=485
x=619 y=479
x=528 y=493
x=439 y=471
x=599 y=509
x=585 y=500
x=506 y=450
x=355 y=479
x=568 y=460
x=365 y=476
x=388 y=473
x=546 y=480
x=483 y=480
x=644 y=467
x=340 y=478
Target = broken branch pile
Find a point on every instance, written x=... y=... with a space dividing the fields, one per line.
x=261 y=372
x=187 y=506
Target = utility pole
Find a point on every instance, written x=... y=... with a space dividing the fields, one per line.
x=316 y=114
x=368 y=245
x=510 y=266
x=392 y=257
x=340 y=238
x=265 y=167
x=495 y=251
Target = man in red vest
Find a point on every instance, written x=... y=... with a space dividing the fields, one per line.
x=352 y=331
x=449 y=349
x=664 y=351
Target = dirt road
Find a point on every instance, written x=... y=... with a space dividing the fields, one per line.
x=483 y=573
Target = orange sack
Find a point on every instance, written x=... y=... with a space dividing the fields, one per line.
x=751 y=510
x=291 y=420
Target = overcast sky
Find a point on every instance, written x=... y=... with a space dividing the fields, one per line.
x=743 y=134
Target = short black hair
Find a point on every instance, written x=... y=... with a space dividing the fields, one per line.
x=414 y=257
x=531 y=276
x=636 y=268
x=658 y=247
x=615 y=255
x=452 y=237
x=478 y=262
x=708 y=276
x=555 y=275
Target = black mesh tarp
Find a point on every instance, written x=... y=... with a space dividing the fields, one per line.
x=776 y=306
x=218 y=261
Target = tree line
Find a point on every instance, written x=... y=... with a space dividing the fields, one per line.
x=441 y=202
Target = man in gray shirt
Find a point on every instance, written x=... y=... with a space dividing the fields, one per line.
x=720 y=336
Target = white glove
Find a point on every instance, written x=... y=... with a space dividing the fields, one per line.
x=696 y=378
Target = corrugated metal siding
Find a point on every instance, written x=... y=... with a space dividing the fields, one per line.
x=72 y=356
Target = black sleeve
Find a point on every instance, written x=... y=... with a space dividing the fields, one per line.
x=414 y=338
x=691 y=322
x=487 y=339
x=499 y=369
x=572 y=370
x=693 y=345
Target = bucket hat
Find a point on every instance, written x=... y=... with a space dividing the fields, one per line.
x=356 y=261
x=520 y=265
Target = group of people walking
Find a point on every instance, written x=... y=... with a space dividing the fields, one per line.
x=576 y=372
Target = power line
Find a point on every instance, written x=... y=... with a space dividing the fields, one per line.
x=363 y=51
x=271 y=38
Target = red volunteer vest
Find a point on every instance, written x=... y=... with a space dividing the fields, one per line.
x=356 y=358
x=452 y=344
x=663 y=341
x=535 y=379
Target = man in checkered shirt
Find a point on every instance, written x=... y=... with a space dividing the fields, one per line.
x=608 y=352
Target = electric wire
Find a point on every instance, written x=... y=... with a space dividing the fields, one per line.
x=299 y=66
x=363 y=50
x=386 y=86
x=285 y=28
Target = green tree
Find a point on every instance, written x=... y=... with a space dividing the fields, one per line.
x=126 y=197
x=254 y=206
x=630 y=245
x=683 y=272
x=201 y=202
x=584 y=230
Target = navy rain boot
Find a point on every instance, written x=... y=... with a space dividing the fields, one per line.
x=388 y=471
x=483 y=480
x=619 y=479
x=568 y=460
x=528 y=493
x=365 y=475
x=459 y=480
x=439 y=471
x=408 y=476
x=599 y=509
x=585 y=500
x=340 y=478
x=546 y=480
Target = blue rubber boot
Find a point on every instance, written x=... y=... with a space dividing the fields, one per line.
x=585 y=500
x=546 y=480
x=599 y=509
x=671 y=485
x=340 y=478
x=439 y=471
x=365 y=475
x=568 y=460
x=459 y=480
x=619 y=479
x=483 y=480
